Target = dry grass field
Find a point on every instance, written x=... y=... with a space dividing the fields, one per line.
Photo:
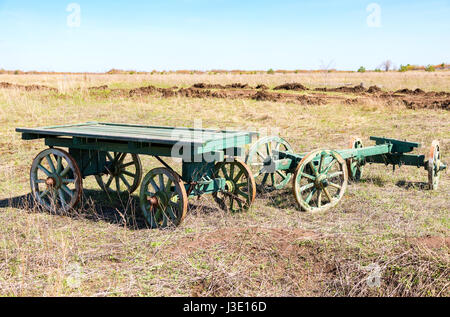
x=388 y=228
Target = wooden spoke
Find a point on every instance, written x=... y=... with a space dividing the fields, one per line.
x=65 y=171
x=156 y=187
x=310 y=195
x=305 y=187
x=46 y=171
x=50 y=163
x=67 y=190
x=335 y=185
x=327 y=194
x=308 y=176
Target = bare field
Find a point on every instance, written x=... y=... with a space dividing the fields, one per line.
x=388 y=228
x=429 y=81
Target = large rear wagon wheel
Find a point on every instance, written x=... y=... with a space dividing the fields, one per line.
x=260 y=159
x=320 y=180
x=55 y=180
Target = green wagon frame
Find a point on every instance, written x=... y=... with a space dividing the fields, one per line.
x=110 y=152
x=320 y=177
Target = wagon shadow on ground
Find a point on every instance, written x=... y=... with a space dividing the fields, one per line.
x=413 y=185
x=121 y=211
x=98 y=206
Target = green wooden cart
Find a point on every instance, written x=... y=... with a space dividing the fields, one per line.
x=320 y=177
x=110 y=152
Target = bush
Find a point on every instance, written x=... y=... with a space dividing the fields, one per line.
x=270 y=71
x=377 y=70
x=403 y=68
x=362 y=69
x=430 y=68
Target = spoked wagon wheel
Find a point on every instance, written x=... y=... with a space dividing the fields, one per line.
x=355 y=168
x=163 y=198
x=320 y=180
x=240 y=188
x=434 y=165
x=123 y=173
x=55 y=180
x=259 y=160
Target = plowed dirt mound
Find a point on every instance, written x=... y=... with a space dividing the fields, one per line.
x=238 y=85
x=208 y=86
x=407 y=91
x=261 y=95
x=356 y=89
x=103 y=87
x=27 y=87
x=144 y=91
x=427 y=103
x=374 y=90
x=291 y=86
x=262 y=86
x=219 y=86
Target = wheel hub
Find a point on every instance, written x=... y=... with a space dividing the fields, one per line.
x=321 y=181
x=53 y=182
x=153 y=201
x=230 y=186
x=159 y=199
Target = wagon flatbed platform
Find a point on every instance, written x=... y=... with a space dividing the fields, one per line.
x=204 y=140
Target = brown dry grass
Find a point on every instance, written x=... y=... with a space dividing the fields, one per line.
x=105 y=248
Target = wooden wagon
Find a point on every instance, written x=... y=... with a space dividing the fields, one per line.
x=110 y=152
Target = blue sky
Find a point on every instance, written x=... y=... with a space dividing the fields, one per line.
x=221 y=34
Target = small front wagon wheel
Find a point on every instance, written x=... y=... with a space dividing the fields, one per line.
x=240 y=189
x=320 y=180
x=163 y=198
x=55 y=180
